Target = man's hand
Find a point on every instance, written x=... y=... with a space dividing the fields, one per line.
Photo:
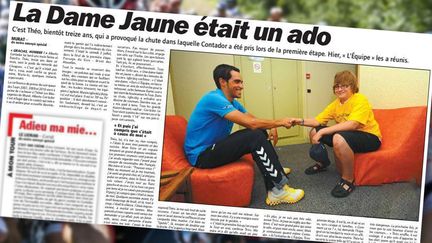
x=286 y=122
x=296 y=121
x=273 y=136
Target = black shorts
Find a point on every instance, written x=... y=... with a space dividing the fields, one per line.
x=359 y=141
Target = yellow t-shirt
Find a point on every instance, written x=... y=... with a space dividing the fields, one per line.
x=356 y=108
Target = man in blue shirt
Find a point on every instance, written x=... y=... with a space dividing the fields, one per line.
x=209 y=142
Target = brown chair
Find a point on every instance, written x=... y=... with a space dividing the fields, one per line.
x=228 y=185
x=400 y=156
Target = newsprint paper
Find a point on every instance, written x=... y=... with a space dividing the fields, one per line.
x=96 y=103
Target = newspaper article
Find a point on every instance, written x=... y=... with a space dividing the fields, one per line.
x=97 y=104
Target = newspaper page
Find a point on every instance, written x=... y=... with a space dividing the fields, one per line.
x=97 y=104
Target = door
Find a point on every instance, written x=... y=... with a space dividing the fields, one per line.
x=286 y=101
x=271 y=91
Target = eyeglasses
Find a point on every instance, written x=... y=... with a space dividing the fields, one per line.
x=344 y=86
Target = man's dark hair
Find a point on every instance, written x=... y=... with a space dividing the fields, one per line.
x=223 y=71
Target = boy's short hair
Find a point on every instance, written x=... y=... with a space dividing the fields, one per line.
x=346 y=78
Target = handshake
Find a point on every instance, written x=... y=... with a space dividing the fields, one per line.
x=291 y=122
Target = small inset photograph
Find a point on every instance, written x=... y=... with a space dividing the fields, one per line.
x=294 y=135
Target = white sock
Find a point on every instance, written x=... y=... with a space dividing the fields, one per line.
x=276 y=191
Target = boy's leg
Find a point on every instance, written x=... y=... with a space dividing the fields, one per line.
x=346 y=143
x=344 y=157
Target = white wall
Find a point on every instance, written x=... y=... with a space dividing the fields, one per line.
x=393 y=87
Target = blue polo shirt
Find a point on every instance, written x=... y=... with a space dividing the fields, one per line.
x=207 y=124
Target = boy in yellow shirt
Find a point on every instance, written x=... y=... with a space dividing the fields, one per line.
x=355 y=131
